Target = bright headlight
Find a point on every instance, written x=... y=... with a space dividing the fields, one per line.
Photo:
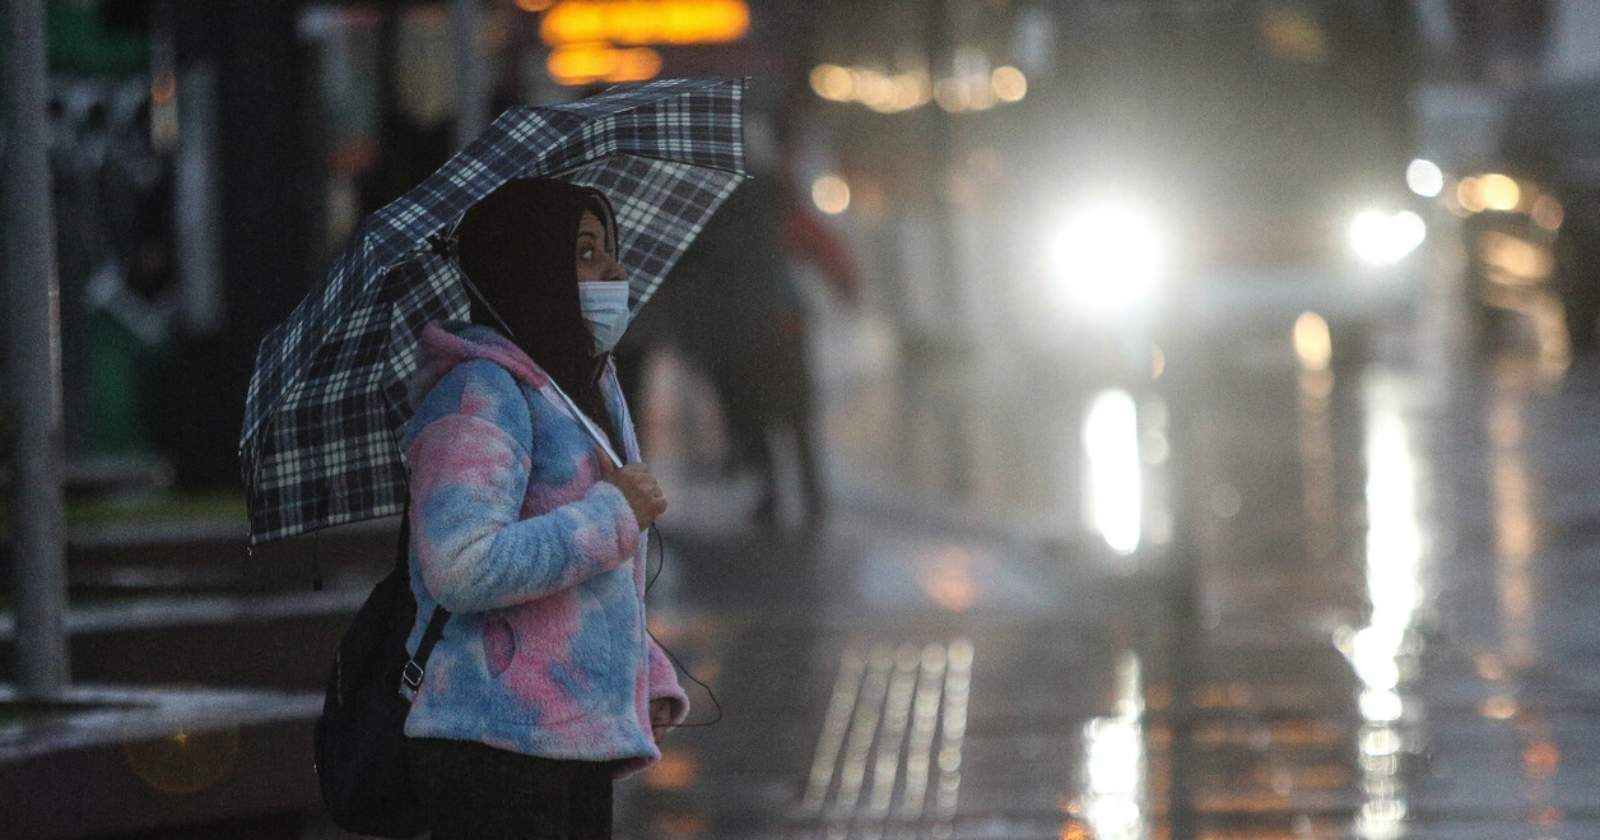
x=1382 y=238
x=1108 y=256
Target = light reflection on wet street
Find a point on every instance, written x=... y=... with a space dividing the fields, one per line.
x=1355 y=605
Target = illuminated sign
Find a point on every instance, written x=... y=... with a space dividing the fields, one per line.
x=643 y=22
x=583 y=64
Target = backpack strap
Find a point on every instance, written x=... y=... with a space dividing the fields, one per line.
x=411 y=675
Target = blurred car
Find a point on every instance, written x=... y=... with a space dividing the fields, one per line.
x=1219 y=168
x=1532 y=219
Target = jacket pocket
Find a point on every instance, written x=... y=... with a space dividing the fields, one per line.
x=568 y=655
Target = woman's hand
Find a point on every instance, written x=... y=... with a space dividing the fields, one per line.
x=660 y=717
x=638 y=486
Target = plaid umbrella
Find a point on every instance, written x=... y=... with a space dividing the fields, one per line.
x=328 y=397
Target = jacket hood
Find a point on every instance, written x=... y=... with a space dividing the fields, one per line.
x=445 y=344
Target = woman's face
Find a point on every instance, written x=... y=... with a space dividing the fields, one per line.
x=596 y=263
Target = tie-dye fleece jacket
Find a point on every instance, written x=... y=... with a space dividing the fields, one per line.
x=539 y=562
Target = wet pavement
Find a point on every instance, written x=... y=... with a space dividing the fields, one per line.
x=1356 y=605
x=1262 y=601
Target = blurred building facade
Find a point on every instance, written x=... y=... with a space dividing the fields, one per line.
x=210 y=157
x=184 y=222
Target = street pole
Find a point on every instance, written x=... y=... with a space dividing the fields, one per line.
x=1182 y=388
x=953 y=340
x=941 y=157
x=33 y=351
x=472 y=100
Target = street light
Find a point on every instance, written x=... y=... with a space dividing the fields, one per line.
x=1108 y=257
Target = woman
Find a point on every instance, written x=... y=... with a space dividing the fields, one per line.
x=545 y=685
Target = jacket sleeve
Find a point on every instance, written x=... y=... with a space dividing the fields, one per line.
x=664 y=684
x=469 y=473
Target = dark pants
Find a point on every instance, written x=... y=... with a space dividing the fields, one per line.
x=766 y=386
x=475 y=791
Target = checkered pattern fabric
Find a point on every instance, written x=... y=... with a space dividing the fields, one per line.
x=328 y=394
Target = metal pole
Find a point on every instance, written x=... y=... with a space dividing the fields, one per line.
x=942 y=152
x=472 y=101
x=199 y=238
x=954 y=339
x=33 y=349
x=1183 y=389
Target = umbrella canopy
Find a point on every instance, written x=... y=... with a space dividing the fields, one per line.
x=328 y=396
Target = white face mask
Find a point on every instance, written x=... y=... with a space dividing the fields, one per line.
x=605 y=310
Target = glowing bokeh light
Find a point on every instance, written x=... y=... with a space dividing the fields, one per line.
x=1469 y=195
x=1109 y=256
x=875 y=90
x=1009 y=84
x=1499 y=707
x=1380 y=238
x=831 y=194
x=1499 y=192
x=1313 y=343
x=890 y=92
x=639 y=22
x=1115 y=483
x=1425 y=178
x=1114 y=761
x=832 y=82
x=911 y=90
x=581 y=65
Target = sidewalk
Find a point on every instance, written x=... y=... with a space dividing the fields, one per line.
x=208 y=639
x=959 y=443
x=109 y=760
x=920 y=663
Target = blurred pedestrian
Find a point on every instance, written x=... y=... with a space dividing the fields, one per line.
x=734 y=310
x=545 y=685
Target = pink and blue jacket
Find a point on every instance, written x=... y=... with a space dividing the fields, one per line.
x=540 y=563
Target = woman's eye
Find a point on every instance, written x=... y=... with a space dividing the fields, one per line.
x=586 y=253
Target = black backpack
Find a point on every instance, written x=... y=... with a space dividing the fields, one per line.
x=360 y=738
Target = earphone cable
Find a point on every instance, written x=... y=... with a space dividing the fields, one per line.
x=661 y=562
